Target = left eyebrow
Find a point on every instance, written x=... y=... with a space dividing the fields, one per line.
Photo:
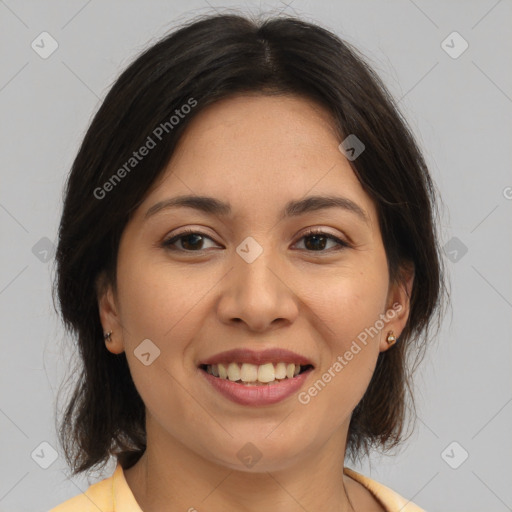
x=213 y=206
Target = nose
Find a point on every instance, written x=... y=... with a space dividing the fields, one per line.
x=259 y=294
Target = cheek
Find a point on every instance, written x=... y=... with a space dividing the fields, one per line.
x=351 y=302
x=157 y=305
x=156 y=299
x=350 y=310
x=161 y=304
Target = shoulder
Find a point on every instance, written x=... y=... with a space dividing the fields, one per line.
x=390 y=500
x=97 y=497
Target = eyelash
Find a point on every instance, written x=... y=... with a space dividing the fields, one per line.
x=167 y=244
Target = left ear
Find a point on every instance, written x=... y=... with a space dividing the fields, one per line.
x=398 y=305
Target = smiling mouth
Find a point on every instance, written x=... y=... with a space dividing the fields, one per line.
x=255 y=375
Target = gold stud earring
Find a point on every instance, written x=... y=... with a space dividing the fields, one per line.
x=107 y=336
x=391 y=338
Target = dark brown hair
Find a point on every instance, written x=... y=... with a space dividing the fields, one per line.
x=208 y=59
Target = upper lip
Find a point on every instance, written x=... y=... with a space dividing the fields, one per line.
x=257 y=357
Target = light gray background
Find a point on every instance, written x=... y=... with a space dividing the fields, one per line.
x=459 y=108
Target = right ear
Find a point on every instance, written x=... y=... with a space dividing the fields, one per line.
x=109 y=314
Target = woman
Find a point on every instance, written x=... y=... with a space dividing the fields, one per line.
x=248 y=259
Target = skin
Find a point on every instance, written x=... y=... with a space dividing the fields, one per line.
x=257 y=153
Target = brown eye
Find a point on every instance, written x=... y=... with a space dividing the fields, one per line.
x=317 y=241
x=191 y=241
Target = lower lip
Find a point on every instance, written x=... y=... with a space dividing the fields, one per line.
x=265 y=394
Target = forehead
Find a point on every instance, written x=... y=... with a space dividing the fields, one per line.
x=249 y=121
x=256 y=150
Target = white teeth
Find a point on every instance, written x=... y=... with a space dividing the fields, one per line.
x=280 y=370
x=248 y=372
x=252 y=373
x=223 y=372
x=233 y=372
x=266 y=373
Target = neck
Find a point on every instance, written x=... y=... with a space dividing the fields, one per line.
x=170 y=476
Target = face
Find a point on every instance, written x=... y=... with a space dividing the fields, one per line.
x=254 y=279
